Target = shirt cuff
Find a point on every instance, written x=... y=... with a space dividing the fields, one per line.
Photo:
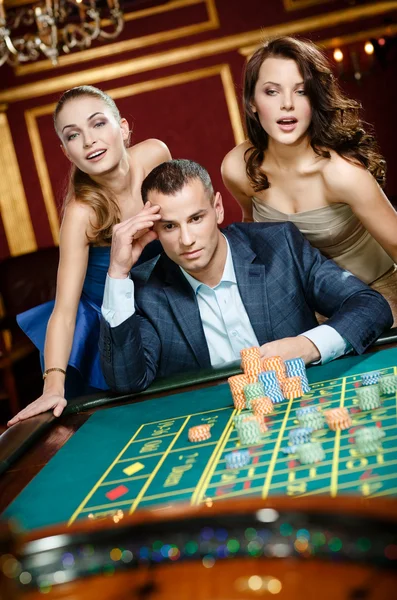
x=118 y=300
x=328 y=341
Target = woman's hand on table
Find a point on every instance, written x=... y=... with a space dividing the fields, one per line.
x=47 y=401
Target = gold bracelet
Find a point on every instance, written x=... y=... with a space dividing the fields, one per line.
x=53 y=369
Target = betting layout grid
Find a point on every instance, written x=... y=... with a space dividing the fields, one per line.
x=159 y=455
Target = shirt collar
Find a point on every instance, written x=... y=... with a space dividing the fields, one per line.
x=228 y=275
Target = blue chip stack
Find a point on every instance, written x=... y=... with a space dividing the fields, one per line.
x=272 y=386
x=236 y=460
x=296 y=366
x=300 y=435
x=370 y=378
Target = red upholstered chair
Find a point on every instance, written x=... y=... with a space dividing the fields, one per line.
x=25 y=281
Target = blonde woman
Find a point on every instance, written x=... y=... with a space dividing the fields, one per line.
x=104 y=189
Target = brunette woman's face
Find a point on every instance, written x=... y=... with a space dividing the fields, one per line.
x=280 y=101
x=92 y=138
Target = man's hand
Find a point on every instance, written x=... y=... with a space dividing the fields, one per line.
x=48 y=401
x=292 y=347
x=129 y=239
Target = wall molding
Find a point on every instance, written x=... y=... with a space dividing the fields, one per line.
x=13 y=204
x=298 y=4
x=193 y=52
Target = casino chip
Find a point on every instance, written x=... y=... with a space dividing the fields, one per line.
x=253 y=391
x=338 y=418
x=310 y=453
x=272 y=386
x=276 y=364
x=370 y=378
x=249 y=431
x=368 y=439
x=262 y=406
x=199 y=433
x=368 y=396
x=310 y=416
x=236 y=460
x=292 y=387
x=296 y=367
x=300 y=435
x=251 y=363
x=388 y=384
x=237 y=384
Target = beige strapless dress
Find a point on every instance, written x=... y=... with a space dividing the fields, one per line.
x=339 y=234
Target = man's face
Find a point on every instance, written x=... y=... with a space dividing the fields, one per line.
x=188 y=229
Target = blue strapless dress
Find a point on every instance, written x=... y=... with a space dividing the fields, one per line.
x=84 y=356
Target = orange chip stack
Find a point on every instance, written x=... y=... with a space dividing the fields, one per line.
x=292 y=387
x=199 y=433
x=338 y=418
x=251 y=363
x=275 y=363
x=237 y=384
x=262 y=406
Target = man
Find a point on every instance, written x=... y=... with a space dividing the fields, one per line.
x=214 y=292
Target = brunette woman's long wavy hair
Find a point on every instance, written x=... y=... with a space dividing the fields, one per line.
x=80 y=186
x=335 y=124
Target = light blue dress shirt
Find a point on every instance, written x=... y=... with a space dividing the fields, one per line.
x=226 y=325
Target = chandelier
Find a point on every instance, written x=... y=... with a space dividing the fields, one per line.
x=51 y=27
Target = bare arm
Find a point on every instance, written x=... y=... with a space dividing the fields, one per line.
x=355 y=186
x=60 y=331
x=235 y=179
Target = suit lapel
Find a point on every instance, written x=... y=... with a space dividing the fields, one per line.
x=183 y=304
x=251 y=281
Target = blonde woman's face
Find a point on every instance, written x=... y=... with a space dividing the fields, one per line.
x=280 y=102
x=92 y=138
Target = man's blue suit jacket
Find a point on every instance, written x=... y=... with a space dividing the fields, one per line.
x=282 y=281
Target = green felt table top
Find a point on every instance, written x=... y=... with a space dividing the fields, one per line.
x=134 y=456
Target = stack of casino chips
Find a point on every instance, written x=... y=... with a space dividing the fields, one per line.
x=249 y=430
x=388 y=384
x=370 y=378
x=245 y=416
x=199 y=433
x=300 y=435
x=272 y=386
x=275 y=363
x=253 y=391
x=368 y=439
x=237 y=384
x=262 y=406
x=310 y=416
x=237 y=459
x=297 y=437
x=296 y=367
x=310 y=453
x=368 y=396
x=251 y=363
x=292 y=387
x=338 y=419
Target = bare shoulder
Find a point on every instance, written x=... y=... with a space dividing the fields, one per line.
x=150 y=153
x=233 y=165
x=343 y=177
x=77 y=220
